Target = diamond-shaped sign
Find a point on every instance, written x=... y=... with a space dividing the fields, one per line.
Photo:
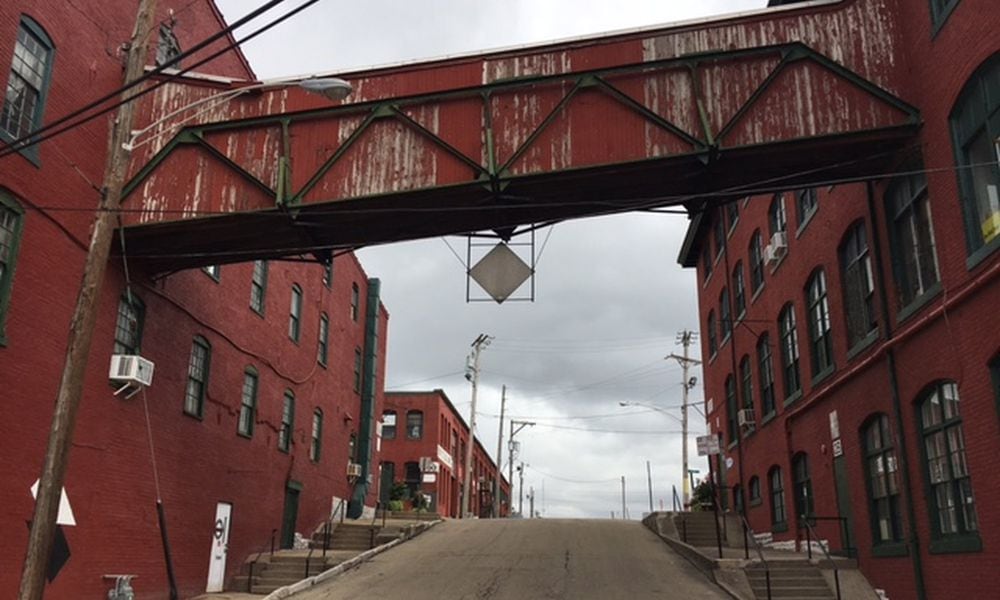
x=500 y=272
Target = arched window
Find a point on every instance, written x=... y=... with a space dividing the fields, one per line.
x=316 y=444
x=766 y=369
x=389 y=425
x=287 y=422
x=719 y=227
x=911 y=236
x=789 y=351
x=754 y=490
x=713 y=344
x=803 y=485
x=883 y=480
x=776 y=218
x=355 y=302
x=756 y=262
x=776 y=490
x=859 y=284
x=27 y=84
x=128 y=327
x=258 y=286
x=295 y=314
x=415 y=424
x=323 y=345
x=975 y=129
x=746 y=387
x=725 y=316
x=739 y=291
x=821 y=342
x=248 y=403
x=952 y=505
x=11 y=222
x=197 y=379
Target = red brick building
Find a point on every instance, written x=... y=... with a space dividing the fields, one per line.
x=267 y=375
x=426 y=425
x=850 y=333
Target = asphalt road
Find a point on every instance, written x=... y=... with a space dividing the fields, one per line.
x=523 y=560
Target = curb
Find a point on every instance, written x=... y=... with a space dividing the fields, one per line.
x=347 y=565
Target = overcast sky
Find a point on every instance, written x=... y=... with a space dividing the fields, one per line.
x=609 y=295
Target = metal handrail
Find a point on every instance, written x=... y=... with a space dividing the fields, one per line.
x=371 y=543
x=845 y=534
x=748 y=534
x=327 y=530
x=678 y=505
x=810 y=533
x=253 y=562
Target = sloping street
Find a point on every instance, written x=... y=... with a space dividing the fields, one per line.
x=524 y=559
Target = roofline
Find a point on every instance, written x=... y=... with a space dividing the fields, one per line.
x=691 y=247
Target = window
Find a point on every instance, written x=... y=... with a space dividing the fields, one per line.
x=776 y=215
x=732 y=214
x=859 y=284
x=803 y=485
x=883 y=485
x=940 y=9
x=388 y=480
x=710 y=326
x=975 y=130
x=248 y=403
x=389 y=425
x=10 y=236
x=719 y=227
x=739 y=292
x=819 y=324
x=328 y=272
x=295 y=314
x=732 y=407
x=197 y=380
x=953 y=509
x=30 y=68
x=911 y=234
x=414 y=424
x=754 y=490
x=167 y=47
x=706 y=260
x=287 y=422
x=746 y=378
x=357 y=370
x=766 y=375
x=258 y=286
x=213 y=271
x=316 y=443
x=355 y=301
x=805 y=205
x=725 y=318
x=324 y=335
x=789 y=351
x=413 y=477
x=128 y=327
x=779 y=519
x=756 y=263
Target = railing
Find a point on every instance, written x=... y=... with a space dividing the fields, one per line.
x=678 y=505
x=327 y=530
x=810 y=534
x=748 y=535
x=845 y=535
x=253 y=563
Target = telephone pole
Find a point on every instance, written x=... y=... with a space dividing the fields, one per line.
x=43 y=521
x=685 y=338
x=499 y=477
x=624 y=508
x=649 y=484
x=531 y=503
x=520 y=491
x=472 y=374
x=515 y=427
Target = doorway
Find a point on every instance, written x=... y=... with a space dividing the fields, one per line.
x=290 y=514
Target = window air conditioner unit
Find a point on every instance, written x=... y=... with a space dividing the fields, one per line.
x=745 y=417
x=130 y=369
x=353 y=470
x=777 y=249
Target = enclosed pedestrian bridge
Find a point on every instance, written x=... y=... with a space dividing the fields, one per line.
x=690 y=115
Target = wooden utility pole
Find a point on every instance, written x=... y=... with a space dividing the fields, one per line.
x=480 y=342
x=499 y=477
x=685 y=338
x=43 y=522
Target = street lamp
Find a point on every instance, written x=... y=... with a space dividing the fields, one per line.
x=331 y=88
x=651 y=407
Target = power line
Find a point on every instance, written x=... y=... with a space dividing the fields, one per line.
x=34 y=138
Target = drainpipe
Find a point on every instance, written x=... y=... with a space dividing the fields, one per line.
x=904 y=461
x=366 y=420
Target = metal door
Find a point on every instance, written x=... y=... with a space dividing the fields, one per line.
x=291 y=515
x=220 y=547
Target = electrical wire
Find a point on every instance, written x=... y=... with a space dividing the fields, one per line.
x=409 y=383
x=33 y=138
x=568 y=480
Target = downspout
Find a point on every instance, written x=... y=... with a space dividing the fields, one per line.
x=366 y=420
x=897 y=408
x=731 y=298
